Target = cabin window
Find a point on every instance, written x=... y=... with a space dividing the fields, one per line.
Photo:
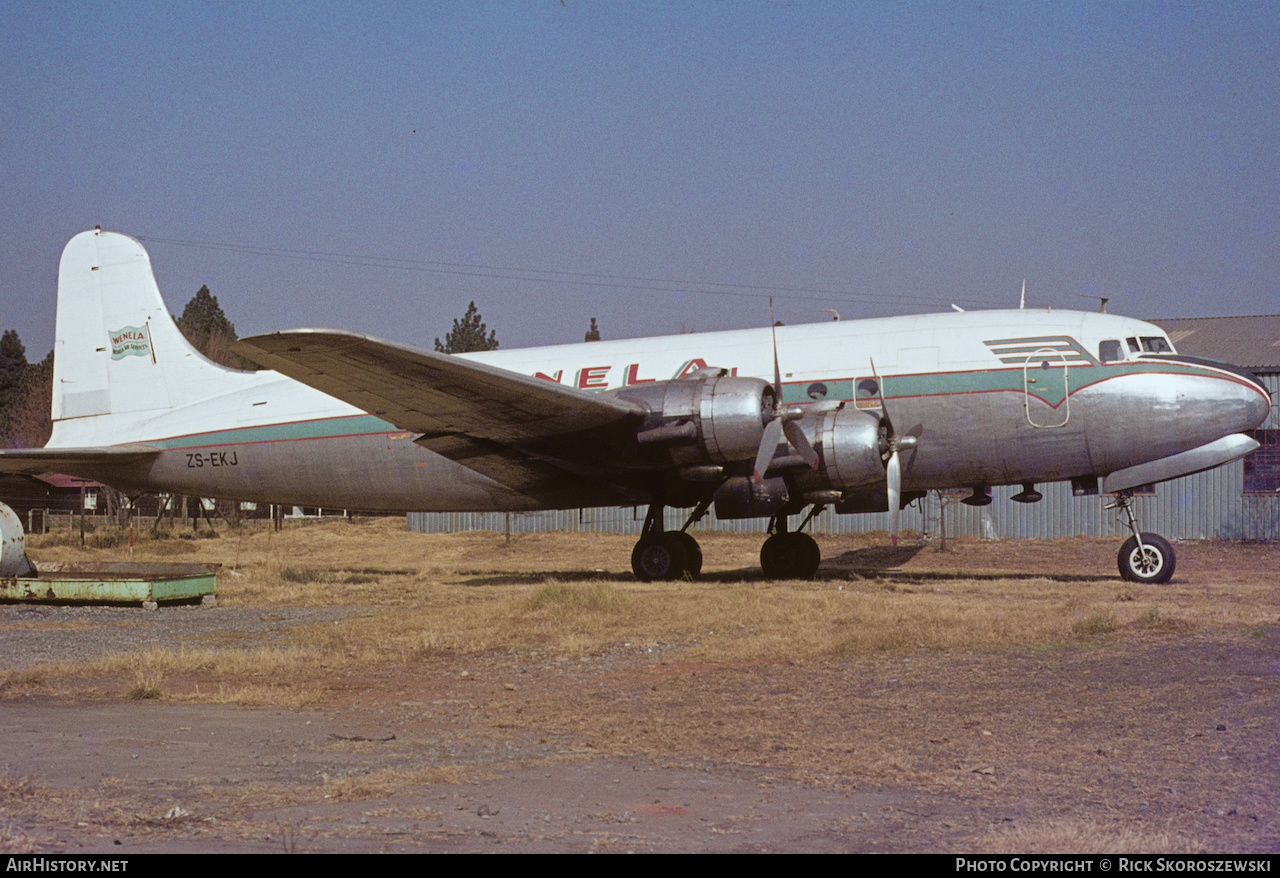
x=1110 y=351
x=1155 y=345
x=1134 y=346
x=817 y=391
x=1262 y=467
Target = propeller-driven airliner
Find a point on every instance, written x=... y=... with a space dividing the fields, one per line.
x=772 y=423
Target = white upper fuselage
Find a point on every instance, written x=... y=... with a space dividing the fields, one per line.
x=951 y=341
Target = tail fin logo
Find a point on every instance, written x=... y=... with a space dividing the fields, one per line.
x=131 y=341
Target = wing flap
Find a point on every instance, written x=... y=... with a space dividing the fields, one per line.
x=428 y=392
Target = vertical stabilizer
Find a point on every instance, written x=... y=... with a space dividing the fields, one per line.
x=117 y=349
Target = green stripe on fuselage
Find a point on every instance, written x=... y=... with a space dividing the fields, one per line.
x=325 y=428
x=985 y=381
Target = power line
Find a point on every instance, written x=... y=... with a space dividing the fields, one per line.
x=551 y=276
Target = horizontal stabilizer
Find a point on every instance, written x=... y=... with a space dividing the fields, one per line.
x=433 y=393
x=29 y=461
x=1224 y=450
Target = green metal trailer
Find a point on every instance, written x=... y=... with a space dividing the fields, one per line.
x=127 y=582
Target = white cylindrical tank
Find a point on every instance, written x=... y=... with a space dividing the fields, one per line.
x=13 y=546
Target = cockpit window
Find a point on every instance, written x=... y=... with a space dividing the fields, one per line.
x=1133 y=345
x=1110 y=351
x=1155 y=345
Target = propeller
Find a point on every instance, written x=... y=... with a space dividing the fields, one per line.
x=893 y=464
x=782 y=422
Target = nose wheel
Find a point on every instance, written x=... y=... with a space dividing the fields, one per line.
x=1150 y=561
x=1144 y=557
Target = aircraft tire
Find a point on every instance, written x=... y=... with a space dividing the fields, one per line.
x=813 y=555
x=1153 y=566
x=693 y=551
x=660 y=558
x=790 y=556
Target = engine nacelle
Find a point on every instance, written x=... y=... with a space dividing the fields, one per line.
x=743 y=497
x=849 y=443
x=710 y=417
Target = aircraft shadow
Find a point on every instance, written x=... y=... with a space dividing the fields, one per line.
x=544 y=576
x=873 y=562
x=875 y=558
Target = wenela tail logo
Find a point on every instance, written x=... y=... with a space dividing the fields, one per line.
x=131 y=341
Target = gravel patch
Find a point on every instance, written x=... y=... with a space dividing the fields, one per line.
x=26 y=641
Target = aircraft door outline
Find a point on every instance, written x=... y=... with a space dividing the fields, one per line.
x=1045 y=378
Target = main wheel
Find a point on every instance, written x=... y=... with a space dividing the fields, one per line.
x=1153 y=564
x=662 y=557
x=790 y=556
x=812 y=555
x=692 y=551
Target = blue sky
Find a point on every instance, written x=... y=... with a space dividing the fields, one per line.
x=656 y=165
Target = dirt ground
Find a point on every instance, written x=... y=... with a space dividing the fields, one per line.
x=1159 y=737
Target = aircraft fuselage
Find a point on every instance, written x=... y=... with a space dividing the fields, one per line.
x=994 y=397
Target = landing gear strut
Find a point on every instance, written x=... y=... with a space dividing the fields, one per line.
x=790 y=555
x=1144 y=557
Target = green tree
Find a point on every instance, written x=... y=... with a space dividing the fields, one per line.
x=203 y=318
x=207 y=328
x=593 y=334
x=468 y=334
x=13 y=371
x=27 y=422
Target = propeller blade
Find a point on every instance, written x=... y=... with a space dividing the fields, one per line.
x=884 y=408
x=894 y=473
x=800 y=442
x=768 y=447
x=777 y=372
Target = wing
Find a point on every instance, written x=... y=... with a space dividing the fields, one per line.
x=30 y=461
x=517 y=429
x=432 y=393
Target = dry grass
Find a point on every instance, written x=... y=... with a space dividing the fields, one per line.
x=760 y=621
x=465 y=594
x=232 y=676
x=32 y=681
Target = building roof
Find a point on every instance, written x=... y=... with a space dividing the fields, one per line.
x=1251 y=342
x=58 y=480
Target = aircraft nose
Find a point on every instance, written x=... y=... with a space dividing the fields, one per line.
x=1248 y=401
x=1259 y=406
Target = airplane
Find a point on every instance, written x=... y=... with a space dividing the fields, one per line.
x=868 y=416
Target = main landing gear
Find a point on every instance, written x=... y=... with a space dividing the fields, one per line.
x=1144 y=557
x=667 y=555
x=674 y=554
x=790 y=554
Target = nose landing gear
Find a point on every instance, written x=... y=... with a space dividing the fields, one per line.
x=1144 y=557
